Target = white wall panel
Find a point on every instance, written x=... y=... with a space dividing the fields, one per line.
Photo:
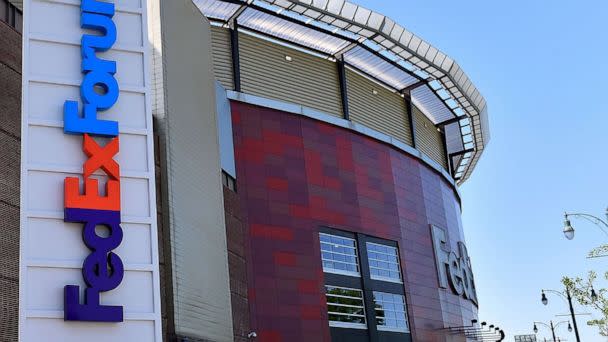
x=55 y=331
x=52 y=251
x=46 y=105
x=62 y=21
x=67 y=242
x=61 y=62
x=45 y=193
x=50 y=297
x=70 y=157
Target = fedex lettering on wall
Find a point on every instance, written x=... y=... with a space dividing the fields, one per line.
x=102 y=269
x=89 y=247
x=453 y=269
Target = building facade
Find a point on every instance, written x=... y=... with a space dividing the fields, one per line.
x=307 y=158
x=10 y=140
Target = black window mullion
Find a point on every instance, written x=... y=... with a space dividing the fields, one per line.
x=368 y=292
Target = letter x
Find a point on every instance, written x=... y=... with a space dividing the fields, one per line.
x=101 y=157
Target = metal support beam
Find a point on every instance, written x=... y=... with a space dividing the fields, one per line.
x=236 y=15
x=410 y=116
x=451 y=159
x=343 y=88
x=408 y=89
x=452 y=120
x=446 y=155
x=234 y=49
x=345 y=49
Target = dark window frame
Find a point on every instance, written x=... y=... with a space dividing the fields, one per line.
x=12 y=15
x=228 y=181
x=368 y=285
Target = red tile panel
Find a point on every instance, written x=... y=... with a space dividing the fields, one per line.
x=295 y=174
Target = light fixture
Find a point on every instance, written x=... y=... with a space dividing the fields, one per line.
x=544 y=298
x=374 y=91
x=535 y=328
x=568 y=229
x=569 y=327
x=288 y=58
x=593 y=294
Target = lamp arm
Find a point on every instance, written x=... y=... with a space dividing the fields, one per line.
x=560 y=323
x=593 y=219
x=556 y=292
x=564 y=298
x=545 y=324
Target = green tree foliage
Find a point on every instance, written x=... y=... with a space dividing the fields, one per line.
x=581 y=291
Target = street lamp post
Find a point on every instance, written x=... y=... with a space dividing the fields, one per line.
x=552 y=327
x=568 y=297
x=569 y=230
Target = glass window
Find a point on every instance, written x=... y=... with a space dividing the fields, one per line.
x=345 y=307
x=11 y=15
x=383 y=262
x=339 y=255
x=390 y=312
x=18 y=21
x=4 y=10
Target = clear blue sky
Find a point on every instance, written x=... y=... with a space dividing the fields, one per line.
x=543 y=67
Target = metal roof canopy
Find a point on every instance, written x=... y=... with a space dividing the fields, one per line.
x=374 y=44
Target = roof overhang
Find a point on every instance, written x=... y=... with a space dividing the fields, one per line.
x=374 y=44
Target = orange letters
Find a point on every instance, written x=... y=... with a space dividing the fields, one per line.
x=99 y=158
x=91 y=198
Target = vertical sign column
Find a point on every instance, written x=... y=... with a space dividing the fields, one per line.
x=89 y=253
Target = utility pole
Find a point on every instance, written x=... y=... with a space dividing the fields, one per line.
x=578 y=339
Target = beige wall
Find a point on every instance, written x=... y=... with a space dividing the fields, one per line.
x=312 y=81
x=192 y=189
x=307 y=80
x=384 y=111
x=222 y=56
x=428 y=139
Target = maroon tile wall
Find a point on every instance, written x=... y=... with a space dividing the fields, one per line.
x=295 y=174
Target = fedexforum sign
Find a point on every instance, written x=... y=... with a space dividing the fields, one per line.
x=103 y=269
x=89 y=254
x=453 y=269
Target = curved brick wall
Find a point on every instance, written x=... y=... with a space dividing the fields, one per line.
x=296 y=174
